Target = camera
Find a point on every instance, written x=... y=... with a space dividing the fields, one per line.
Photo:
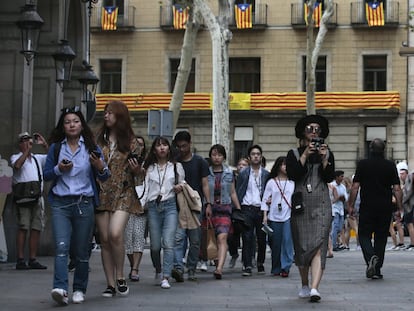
x=139 y=158
x=318 y=142
x=35 y=138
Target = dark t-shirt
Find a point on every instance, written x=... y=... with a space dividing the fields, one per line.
x=195 y=170
x=376 y=176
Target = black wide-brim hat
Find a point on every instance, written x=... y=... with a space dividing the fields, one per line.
x=312 y=118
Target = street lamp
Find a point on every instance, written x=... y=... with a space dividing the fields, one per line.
x=29 y=23
x=89 y=81
x=63 y=57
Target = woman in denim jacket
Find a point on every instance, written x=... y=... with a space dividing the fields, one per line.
x=219 y=208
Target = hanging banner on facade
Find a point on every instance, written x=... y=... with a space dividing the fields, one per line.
x=109 y=17
x=243 y=15
x=375 y=13
x=180 y=16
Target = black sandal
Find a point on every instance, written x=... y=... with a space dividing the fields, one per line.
x=217 y=275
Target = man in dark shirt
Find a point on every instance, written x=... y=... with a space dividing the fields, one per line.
x=378 y=179
x=196 y=172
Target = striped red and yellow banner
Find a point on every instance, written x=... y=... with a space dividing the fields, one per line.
x=387 y=100
x=109 y=17
x=243 y=15
x=180 y=16
x=317 y=14
x=375 y=13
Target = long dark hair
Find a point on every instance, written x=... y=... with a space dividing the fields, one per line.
x=58 y=133
x=152 y=158
x=123 y=127
x=276 y=167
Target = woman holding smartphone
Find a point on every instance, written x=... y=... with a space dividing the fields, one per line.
x=117 y=195
x=73 y=169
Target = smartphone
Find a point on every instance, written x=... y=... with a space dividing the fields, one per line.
x=66 y=161
x=96 y=153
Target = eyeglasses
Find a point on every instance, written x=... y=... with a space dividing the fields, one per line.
x=71 y=109
x=313 y=129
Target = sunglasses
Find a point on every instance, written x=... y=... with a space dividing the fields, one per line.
x=313 y=129
x=71 y=109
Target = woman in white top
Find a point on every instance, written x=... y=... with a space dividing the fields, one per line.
x=276 y=207
x=162 y=182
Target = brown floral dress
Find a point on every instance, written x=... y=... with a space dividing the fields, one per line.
x=118 y=191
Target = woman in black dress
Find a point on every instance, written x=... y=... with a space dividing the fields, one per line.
x=311 y=167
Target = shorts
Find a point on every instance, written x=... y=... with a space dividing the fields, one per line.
x=409 y=217
x=31 y=216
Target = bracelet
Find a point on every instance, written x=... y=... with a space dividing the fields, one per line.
x=207 y=203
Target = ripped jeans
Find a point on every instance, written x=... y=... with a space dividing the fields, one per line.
x=72 y=218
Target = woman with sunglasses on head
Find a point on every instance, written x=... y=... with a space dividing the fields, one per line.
x=73 y=164
x=311 y=167
x=117 y=194
x=162 y=181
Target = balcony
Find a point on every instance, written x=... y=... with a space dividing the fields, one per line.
x=125 y=21
x=391 y=14
x=298 y=16
x=259 y=18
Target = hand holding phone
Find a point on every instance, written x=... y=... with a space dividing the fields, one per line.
x=96 y=153
x=66 y=161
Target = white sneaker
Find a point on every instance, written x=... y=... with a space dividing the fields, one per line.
x=78 y=297
x=165 y=284
x=60 y=296
x=304 y=292
x=315 y=296
x=203 y=267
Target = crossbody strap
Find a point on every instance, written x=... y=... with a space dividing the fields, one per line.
x=283 y=195
x=38 y=169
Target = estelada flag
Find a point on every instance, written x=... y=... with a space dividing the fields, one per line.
x=109 y=17
x=375 y=13
x=317 y=14
x=243 y=15
x=180 y=16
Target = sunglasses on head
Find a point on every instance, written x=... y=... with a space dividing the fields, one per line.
x=71 y=109
x=313 y=129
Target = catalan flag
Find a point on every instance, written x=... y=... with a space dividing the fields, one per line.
x=375 y=13
x=243 y=15
x=180 y=15
x=109 y=17
x=317 y=14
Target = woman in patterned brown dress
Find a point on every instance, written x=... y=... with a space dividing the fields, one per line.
x=117 y=194
x=311 y=167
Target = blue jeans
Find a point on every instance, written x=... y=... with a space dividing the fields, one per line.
x=194 y=235
x=281 y=245
x=72 y=218
x=337 y=224
x=162 y=222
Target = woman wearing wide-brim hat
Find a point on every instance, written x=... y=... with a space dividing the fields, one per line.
x=311 y=166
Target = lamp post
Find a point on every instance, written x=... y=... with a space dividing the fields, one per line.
x=63 y=57
x=89 y=2
x=88 y=81
x=29 y=23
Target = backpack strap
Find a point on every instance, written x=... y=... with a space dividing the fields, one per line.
x=38 y=169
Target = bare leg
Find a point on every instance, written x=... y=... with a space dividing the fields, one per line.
x=392 y=234
x=222 y=251
x=102 y=221
x=20 y=240
x=117 y=224
x=33 y=243
x=316 y=270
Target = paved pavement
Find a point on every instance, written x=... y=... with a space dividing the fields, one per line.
x=344 y=287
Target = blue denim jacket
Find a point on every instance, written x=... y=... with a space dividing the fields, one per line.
x=227 y=178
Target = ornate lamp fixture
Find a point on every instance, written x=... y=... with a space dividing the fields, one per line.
x=29 y=23
x=63 y=57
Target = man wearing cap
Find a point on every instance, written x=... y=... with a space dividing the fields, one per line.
x=378 y=180
x=30 y=215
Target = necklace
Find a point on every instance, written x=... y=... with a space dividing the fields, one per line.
x=161 y=180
